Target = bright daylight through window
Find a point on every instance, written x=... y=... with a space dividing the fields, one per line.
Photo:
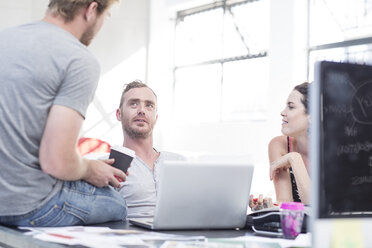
x=221 y=62
x=341 y=31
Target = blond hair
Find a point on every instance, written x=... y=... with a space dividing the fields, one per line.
x=133 y=85
x=68 y=9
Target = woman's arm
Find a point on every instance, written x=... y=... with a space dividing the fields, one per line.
x=279 y=171
x=282 y=180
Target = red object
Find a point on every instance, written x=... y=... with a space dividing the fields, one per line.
x=119 y=179
x=92 y=145
x=255 y=200
x=60 y=235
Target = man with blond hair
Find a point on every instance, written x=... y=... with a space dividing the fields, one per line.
x=47 y=79
x=138 y=114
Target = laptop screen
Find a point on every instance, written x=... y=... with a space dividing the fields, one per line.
x=341 y=140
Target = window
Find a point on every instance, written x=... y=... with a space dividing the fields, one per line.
x=221 y=65
x=340 y=30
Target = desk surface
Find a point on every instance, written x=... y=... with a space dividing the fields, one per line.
x=13 y=238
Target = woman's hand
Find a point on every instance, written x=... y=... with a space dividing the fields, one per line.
x=283 y=163
x=260 y=202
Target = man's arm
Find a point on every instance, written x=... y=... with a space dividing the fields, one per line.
x=59 y=157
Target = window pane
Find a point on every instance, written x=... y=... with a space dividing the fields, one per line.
x=210 y=40
x=244 y=89
x=198 y=94
x=246 y=29
x=199 y=37
x=339 y=20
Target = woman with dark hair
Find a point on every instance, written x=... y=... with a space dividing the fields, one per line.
x=288 y=153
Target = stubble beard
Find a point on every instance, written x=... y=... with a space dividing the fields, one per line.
x=88 y=35
x=136 y=134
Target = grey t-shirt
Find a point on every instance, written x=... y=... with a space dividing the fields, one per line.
x=41 y=65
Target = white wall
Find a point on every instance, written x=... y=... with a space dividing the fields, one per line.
x=122 y=49
x=21 y=11
x=287 y=53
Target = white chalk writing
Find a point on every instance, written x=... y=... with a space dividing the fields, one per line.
x=362 y=103
x=350 y=131
x=354 y=148
x=361 y=180
x=337 y=109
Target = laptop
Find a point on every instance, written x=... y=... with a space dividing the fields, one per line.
x=201 y=195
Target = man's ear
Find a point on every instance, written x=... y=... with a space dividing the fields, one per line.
x=91 y=11
x=118 y=115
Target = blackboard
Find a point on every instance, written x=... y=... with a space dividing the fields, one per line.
x=345 y=139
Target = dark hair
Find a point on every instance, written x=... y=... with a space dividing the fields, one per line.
x=303 y=89
x=69 y=8
x=133 y=85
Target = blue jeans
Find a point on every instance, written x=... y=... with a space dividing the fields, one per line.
x=78 y=203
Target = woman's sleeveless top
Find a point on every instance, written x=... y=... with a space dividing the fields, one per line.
x=295 y=194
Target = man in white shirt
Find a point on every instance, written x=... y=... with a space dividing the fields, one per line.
x=138 y=114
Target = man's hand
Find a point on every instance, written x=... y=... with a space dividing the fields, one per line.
x=59 y=157
x=101 y=173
